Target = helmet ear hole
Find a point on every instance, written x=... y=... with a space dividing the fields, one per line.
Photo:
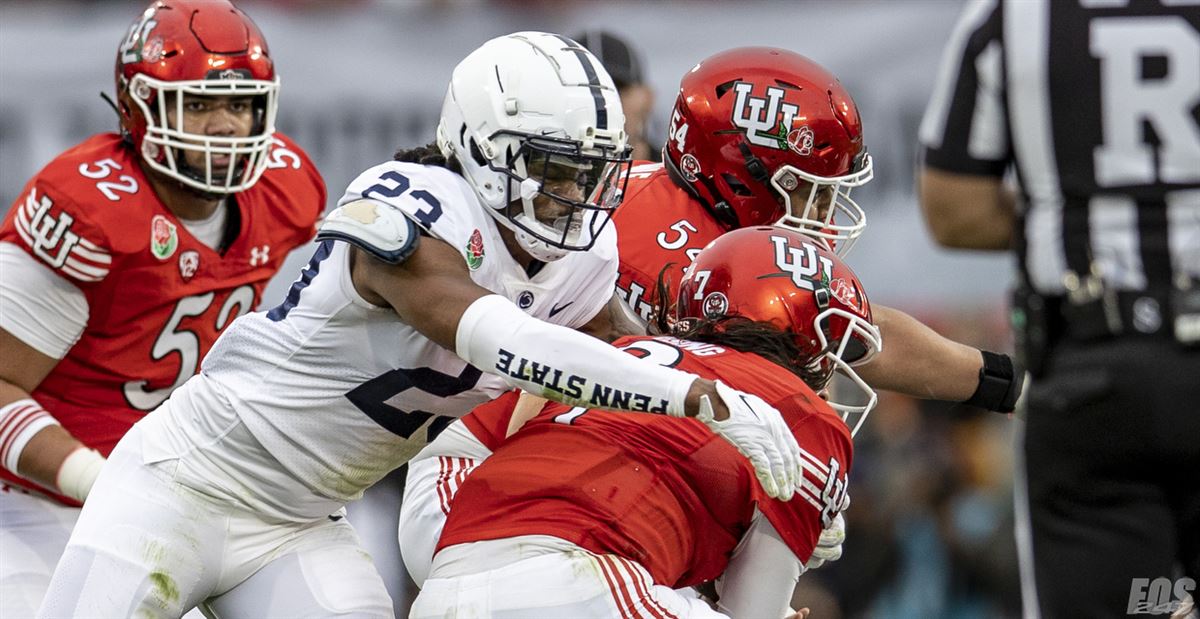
x=737 y=186
x=476 y=154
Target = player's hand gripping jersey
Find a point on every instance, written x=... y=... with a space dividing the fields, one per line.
x=659 y=223
x=326 y=358
x=156 y=297
x=665 y=492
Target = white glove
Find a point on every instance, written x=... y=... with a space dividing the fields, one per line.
x=829 y=546
x=758 y=431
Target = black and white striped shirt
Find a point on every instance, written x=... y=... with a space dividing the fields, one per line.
x=1096 y=103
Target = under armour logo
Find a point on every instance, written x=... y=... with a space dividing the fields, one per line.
x=803 y=263
x=51 y=238
x=260 y=255
x=767 y=121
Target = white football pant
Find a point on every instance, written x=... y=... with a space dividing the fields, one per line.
x=538 y=576
x=33 y=534
x=34 y=530
x=434 y=476
x=148 y=544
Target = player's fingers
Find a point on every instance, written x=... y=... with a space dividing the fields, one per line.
x=791 y=452
x=528 y=406
x=705 y=414
x=762 y=470
x=783 y=477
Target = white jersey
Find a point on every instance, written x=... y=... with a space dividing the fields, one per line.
x=339 y=391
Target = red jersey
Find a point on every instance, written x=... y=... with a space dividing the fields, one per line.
x=665 y=492
x=658 y=223
x=157 y=297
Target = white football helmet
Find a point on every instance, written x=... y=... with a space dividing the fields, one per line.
x=536 y=123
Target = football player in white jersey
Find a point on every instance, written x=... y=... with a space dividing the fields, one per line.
x=433 y=289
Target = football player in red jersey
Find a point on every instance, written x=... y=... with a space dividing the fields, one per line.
x=586 y=513
x=125 y=257
x=765 y=136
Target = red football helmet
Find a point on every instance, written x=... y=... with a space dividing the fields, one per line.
x=753 y=124
x=780 y=276
x=196 y=47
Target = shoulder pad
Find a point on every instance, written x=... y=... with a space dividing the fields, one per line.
x=381 y=230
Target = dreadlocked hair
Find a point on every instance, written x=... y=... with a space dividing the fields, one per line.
x=664 y=305
x=427 y=154
x=762 y=338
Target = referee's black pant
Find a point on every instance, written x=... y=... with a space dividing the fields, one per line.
x=1112 y=463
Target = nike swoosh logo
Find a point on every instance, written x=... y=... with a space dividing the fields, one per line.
x=559 y=308
x=752 y=411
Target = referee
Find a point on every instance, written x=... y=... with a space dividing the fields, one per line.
x=1095 y=106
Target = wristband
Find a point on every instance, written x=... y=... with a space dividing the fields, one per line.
x=19 y=421
x=78 y=472
x=999 y=384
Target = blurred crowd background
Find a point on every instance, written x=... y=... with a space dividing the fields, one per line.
x=930 y=527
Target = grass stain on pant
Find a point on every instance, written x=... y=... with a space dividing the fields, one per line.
x=165 y=585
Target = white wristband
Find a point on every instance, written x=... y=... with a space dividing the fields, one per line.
x=564 y=365
x=78 y=472
x=19 y=421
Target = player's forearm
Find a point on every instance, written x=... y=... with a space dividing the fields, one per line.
x=919 y=362
x=35 y=447
x=44 y=455
x=23 y=425
x=569 y=367
x=761 y=575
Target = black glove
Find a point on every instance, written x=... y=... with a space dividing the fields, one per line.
x=1000 y=384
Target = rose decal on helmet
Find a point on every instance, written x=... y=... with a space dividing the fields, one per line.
x=846 y=292
x=801 y=141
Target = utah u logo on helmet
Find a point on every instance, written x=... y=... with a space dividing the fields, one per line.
x=767 y=121
x=804 y=263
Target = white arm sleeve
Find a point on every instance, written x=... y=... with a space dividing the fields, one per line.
x=761 y=575
x=564 y=365
x=38 y=306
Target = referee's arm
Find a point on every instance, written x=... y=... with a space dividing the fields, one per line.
x=966 y=211
x=964 y=138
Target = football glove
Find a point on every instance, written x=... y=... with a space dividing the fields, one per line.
x=829 y=546
x=758 y=431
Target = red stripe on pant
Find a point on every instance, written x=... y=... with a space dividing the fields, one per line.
x=616 y=588
x=625 y=577
x=645 y=589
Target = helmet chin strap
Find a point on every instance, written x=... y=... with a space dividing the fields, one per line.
x=719 y=209
x=537 y=248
